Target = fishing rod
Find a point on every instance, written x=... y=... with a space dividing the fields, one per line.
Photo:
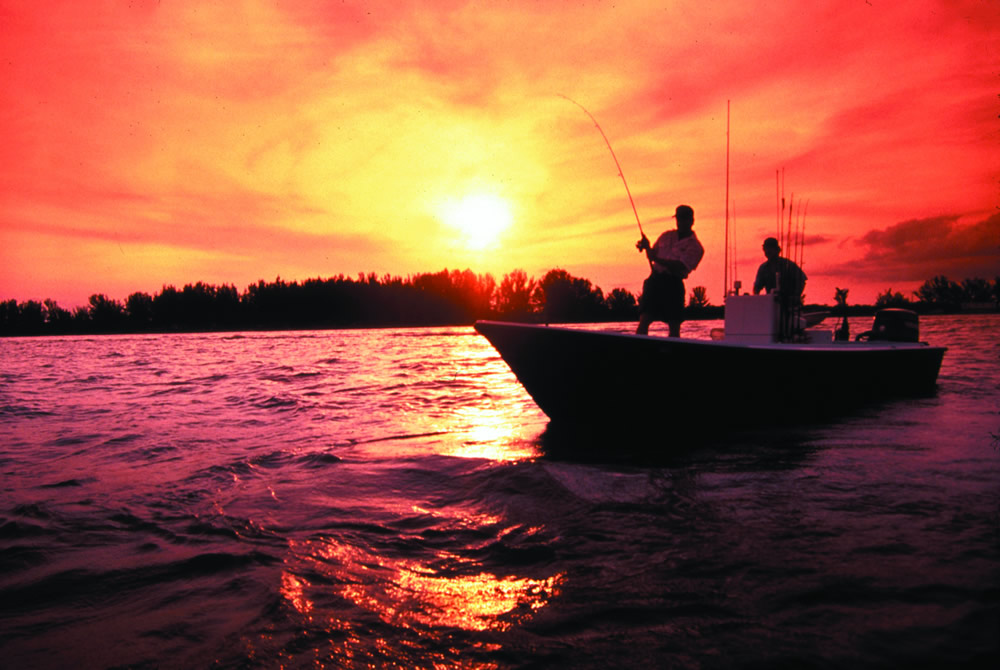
x=617 y=164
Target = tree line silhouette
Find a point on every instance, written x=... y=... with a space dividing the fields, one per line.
x=448 y=297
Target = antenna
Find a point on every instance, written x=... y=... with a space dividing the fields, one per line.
x=777 y=198
x=788 y=235
x=802 y=245
x=725 y=273
x=736 y=276
x=782 y=212
x=795 y=238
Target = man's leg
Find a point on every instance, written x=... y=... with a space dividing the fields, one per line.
x=644 y=321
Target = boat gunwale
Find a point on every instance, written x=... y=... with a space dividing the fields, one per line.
x=867 y=346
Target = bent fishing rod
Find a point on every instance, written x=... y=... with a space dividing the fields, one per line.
x=617 y=165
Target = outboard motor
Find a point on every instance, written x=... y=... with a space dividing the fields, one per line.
x=893 y=325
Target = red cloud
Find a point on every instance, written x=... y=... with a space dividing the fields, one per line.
x=923 y=248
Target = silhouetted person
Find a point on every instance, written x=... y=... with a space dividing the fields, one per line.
x=675 y=254
x=779 y=274
x=786 y=279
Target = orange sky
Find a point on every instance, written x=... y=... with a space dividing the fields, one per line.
x=148 y=143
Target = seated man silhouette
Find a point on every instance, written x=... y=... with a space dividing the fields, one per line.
x=780 y=275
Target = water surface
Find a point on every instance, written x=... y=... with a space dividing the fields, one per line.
x=393 y=497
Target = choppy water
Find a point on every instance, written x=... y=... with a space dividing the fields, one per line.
x=392 y=497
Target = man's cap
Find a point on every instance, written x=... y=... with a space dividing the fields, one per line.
x=684 y=212
x=772 y=242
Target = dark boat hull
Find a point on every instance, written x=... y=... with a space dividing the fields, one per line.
x=584 y=378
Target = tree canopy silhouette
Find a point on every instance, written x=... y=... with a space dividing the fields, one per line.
x=448 y=297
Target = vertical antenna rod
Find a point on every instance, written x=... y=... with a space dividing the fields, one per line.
x=788 y=235
x=736 y=274
x=725 y=273
x=795 y=238
x=777 y=199
x=781 y=216
x=802 y=244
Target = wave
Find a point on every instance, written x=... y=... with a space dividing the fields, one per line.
x=329 y=361
x=253 y=466
x=292 y=378
x=24 y=412
x=80 y=587
x=392 y=438
x=67 y=483
x=318 y=460
x=275 y=402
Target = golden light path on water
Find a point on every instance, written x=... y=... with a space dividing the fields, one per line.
x=447 y=412
x=442 y=591
x=492 y=436
x=408 y=594
x=486 y=428
x=416 y=595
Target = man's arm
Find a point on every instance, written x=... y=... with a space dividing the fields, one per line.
x=801 y=280
x=758 y=282
x=676 y=268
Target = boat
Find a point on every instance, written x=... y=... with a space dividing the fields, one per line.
x=750 y=376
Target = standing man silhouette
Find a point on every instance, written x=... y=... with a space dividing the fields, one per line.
x=674 y=256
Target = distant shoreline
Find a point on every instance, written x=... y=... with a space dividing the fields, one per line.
x=710 y=314
x=442 y=299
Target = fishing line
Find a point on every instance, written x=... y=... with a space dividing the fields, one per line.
x=617 y=164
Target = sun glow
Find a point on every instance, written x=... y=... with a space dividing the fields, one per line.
x=479 y=217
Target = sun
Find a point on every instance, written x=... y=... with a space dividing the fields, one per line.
x=480 y=217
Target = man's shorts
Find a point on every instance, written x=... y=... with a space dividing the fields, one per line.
x=662 y=297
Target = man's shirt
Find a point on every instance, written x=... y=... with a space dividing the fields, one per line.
x=793 y=279
x=670 y=247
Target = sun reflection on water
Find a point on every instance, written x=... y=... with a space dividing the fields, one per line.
x=423 y=600
x=293 y=590
x=491 y=433
x=468 y=519
x=463 y=402
x=339 y=590
x=473 y=602
x=416 y=595
x=402 y=595
x=501 y=425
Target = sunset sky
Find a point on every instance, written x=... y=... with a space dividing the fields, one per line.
x=151 y=143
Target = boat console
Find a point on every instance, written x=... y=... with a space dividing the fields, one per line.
x=752 y=319
x=757 y=319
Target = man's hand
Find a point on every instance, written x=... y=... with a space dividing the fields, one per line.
x=643 y=244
